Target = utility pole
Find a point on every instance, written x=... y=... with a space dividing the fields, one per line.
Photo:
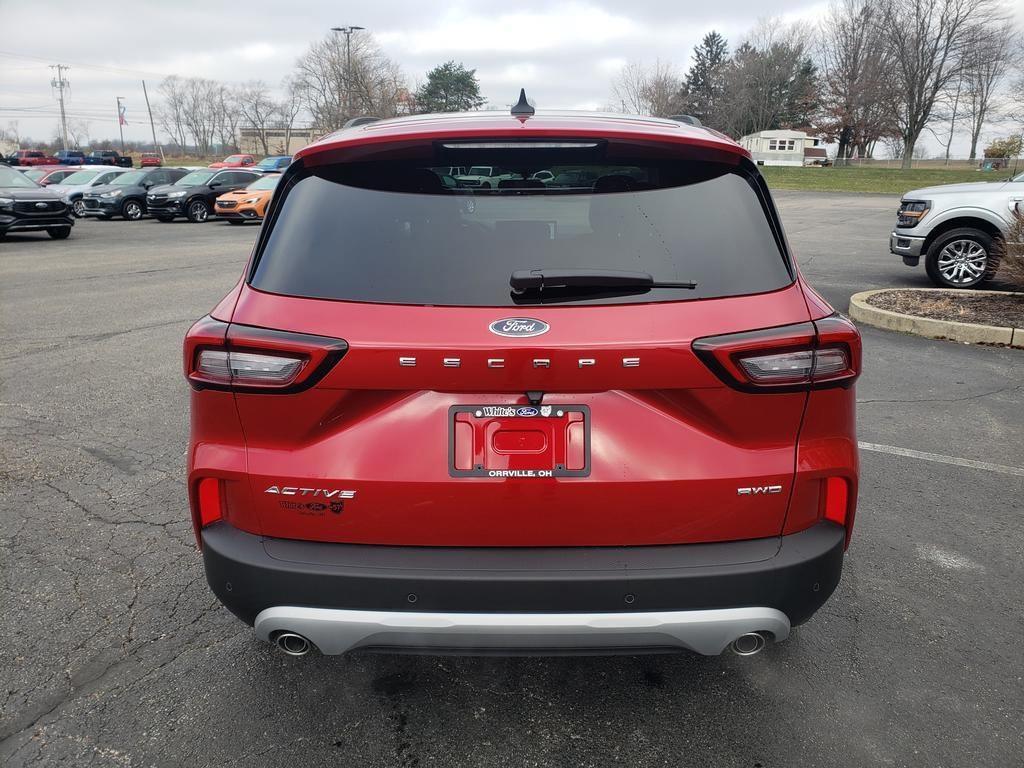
x=152 y=127
x=347 y=32
x=120 y=122
x=60 y=84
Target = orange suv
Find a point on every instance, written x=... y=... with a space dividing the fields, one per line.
x=247 y=204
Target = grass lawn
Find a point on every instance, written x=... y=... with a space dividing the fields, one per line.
x=885 y=181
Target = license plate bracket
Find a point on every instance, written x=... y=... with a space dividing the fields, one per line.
x=519 y=441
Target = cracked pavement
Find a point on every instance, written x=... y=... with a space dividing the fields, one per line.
x=115 y=653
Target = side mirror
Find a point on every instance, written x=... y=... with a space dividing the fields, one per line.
x=147 y=184
x=215 y=184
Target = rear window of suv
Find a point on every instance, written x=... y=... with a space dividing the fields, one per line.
x=400 y=233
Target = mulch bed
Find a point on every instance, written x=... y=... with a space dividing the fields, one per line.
x=1003 y=311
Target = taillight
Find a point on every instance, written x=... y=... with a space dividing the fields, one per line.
x=245 y=358
x=822 y=353
x=226 y=367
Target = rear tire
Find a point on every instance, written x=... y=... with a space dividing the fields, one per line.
x=59 y=233
x=962 y=258
x=131 y=210
x=197 y=211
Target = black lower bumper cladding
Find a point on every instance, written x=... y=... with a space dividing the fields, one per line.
x=794 y=574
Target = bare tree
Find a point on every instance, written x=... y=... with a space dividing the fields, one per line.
x=170 y=112
x=258 y=110
x=989 y=55
x=288 y=111
x=78 y=133
x=200 y=116
x=854 y=64
x=643 y=90
x=926 y=40
x=339 y=82
x=771 y=82
x=227 y=116
x=12 y=133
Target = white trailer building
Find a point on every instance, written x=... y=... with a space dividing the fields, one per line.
x=784 y=147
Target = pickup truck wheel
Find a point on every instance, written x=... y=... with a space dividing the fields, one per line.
x=961 y=258
x=78 y=208
x=198 y=211
x=59 y=233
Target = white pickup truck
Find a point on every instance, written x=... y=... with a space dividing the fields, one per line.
x=484 y=176
x=958 y=228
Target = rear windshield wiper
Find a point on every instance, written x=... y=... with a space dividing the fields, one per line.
x=524 y=280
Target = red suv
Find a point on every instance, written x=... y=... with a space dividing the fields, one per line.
x=603 y=417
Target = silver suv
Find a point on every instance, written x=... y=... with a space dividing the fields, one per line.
x=958 y=228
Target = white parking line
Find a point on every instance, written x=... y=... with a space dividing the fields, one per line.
x=938 y=457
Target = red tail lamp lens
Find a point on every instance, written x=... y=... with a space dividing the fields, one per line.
x=815 y=354
x=248 y=359
x=211 y=508
x=837 y=500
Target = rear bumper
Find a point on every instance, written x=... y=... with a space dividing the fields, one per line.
x=335 y=631
x=692 y=596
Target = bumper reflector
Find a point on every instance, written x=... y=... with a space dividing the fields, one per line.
x=210 y=505
x=836 y=500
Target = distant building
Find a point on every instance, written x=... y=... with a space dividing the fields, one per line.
x=279 y=140
x=784 y=147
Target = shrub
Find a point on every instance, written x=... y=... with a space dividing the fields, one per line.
x=1011 y=264
x=1008 y=147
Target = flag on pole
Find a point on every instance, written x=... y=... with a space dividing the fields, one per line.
x=120 y=114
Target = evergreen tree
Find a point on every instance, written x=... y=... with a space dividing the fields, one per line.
x=705 y=82
x=450 y=87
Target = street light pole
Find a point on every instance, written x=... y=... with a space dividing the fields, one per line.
x=347 y=32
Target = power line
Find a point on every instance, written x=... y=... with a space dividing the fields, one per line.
x=99 y=67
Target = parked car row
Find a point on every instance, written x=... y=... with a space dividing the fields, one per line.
x=234 y=194
x=33 y=157
x=37 y=157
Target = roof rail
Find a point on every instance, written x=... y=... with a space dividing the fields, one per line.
x=363 y=120
x=688 y=119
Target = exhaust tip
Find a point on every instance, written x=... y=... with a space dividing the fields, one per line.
x=749 y=644
x=292 y=644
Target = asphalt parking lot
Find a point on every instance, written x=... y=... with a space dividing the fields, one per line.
x=115 y=653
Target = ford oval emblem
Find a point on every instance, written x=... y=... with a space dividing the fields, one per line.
x=527 y=411
x=519 y=327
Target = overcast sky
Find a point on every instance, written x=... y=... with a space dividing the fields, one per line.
x=565 y=54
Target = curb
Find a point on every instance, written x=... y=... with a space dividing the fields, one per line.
x=969 y=333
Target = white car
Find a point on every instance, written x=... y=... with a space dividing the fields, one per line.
x=72 y=188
